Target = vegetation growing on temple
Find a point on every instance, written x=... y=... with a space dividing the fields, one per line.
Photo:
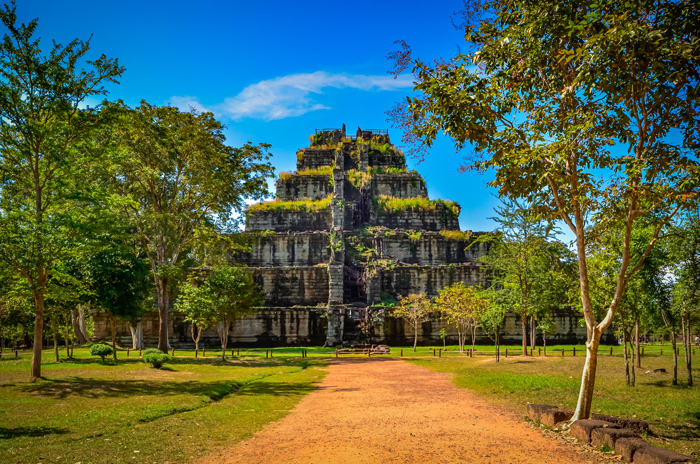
x=386 y=205
x=298 y=205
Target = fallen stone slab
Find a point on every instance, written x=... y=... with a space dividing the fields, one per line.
x=602 y=436
x=552 y=417
x=635 y=425
x=534 y=411
x=653 y=455
x=628 y=446
x=581 y=429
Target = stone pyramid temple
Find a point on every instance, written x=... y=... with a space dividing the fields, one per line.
x=349 y=231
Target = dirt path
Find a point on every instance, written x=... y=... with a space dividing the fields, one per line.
x=391 y=411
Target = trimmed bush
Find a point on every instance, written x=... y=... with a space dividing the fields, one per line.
x=101 y=350
x=155 y=357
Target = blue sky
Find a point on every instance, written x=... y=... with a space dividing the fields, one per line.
x=273 y=71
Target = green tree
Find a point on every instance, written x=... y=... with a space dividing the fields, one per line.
x=461 y=306
x=491 y=318
x=42 y=168
x=516 y=259
x=413 y=309
x=545 y=90
x=227 y=294
x=684 y=248
x=178 y=184
x=196 y=303
x=120 y=284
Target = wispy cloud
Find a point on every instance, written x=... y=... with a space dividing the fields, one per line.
x=186 y=103
x=292 y=95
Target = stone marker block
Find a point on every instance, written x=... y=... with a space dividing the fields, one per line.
x=600 y=437
x=534 y=411
x=634 y=425
x=627 y=447
x=581 y=429
x=653 y=455
x=552 y=417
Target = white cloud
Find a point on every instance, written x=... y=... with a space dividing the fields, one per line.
x=186 y=103
x=294 y=95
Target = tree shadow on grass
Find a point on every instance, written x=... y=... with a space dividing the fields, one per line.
x=8 y=433
x=101 y=388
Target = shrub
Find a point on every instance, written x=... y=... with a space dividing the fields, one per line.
x=392 y=204
x=155 y=357
x=301 y=205
x=456 y=234
x=101 y=350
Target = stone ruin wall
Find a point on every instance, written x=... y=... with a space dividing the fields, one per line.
x=315 y=289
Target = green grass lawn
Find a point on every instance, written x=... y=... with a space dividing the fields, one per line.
x=89 y=412
x=673 y=412
x=128 y=412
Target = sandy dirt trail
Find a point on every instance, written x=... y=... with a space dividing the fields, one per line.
x=392 y=411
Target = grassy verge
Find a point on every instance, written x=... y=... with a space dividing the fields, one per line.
x=673 y=412
x=89 y=412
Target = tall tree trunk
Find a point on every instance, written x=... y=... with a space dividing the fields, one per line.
x=137 y=336
x=523 y=321
x=533 y=332
x=473 y=337
x=163 y=303
x=624 y=355
x=633 y=380
x=114 y=337
x=76 y=319
x=55 y=340
x=38 y=332
x=674 y=381
x=196 y=339
x=685 y=319
x=544 y=342
x=636 y=344
x=223 y=335
x=585 y=399
x=415 y=336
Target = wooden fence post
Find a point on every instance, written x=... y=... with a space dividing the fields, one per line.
x=506 y=352
x=127 y=352
x=611 y=351
x=239 y=352
x=173 y=353
x=16 y=354
x=539 y=351
x=139 y=352
x=270 y=352
x=574 y=351
x=562 y=352
x=267 y=353
x=440 y=353
x=433 y=352
x=336 y=352
x=402 y=352
x=196 y=353
x=661 y=353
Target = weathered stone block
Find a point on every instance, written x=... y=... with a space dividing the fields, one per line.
x=552 y=417
x=403 y=280
x=653 y=455
x=408 y=185
x=296 y=187
x=314 y=158
x=638 y=426
x=534 y=411
x=601 y=436
x=440 y=218
x=289 y=220
x=627 y=447
x=582 y=429
x=288 y=286
x=291 y=249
